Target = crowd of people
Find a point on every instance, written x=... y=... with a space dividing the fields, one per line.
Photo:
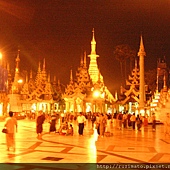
x=100 y=124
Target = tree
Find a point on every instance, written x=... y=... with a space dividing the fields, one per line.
x=122 y=53
x=150 y=79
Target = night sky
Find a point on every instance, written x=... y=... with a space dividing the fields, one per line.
x=60 y=31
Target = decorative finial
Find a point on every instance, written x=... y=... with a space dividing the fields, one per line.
x=85 y=65
x=141 y=48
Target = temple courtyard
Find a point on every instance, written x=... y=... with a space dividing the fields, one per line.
x=125 y=146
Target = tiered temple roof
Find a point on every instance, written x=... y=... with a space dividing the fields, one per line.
x=88 y=79
x=131 y=92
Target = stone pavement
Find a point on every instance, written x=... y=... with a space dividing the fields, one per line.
x=125 y=146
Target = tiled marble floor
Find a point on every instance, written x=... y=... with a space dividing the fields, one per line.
x=125 y=146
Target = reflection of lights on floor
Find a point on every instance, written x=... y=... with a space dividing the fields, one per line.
x=92 y=151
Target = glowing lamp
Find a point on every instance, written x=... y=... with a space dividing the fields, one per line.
x=96 y=93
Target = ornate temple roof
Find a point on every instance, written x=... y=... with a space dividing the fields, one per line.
x=131 y=92
x=35 y=89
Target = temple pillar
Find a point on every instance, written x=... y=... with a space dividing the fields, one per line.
x=141 y=55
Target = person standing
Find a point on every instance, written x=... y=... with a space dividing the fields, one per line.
x=93 y=119
x=114 y=119
x=139 y=122
x=108 y=125
x=102 y=122
x=95 y=133
x=119 y=120
x=11 y=126
x=39 y=124
x=81 y=120
x=124 y=120
x=53 y=123
x=167 y=125
x=153 y=122
x=133 y=120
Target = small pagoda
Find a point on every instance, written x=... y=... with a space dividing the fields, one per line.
x=29 y=94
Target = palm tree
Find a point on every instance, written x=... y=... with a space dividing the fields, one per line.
x=122 y=53
x=150 y=79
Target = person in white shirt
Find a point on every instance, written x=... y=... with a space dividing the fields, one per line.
x=81 y=120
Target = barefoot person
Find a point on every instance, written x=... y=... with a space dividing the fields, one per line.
x=53 y=123
x=81 y=120
x=11 y=126
x=39 y=124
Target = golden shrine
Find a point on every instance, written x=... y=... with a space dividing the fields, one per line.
x=87 y=92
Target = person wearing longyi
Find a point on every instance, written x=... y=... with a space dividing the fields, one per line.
x=81 y=120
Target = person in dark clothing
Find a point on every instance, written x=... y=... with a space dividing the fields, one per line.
x=153 y=122
x=39 y=124
x=133 y=121
x=139 y=122
x=93 y=119
x=53 y=123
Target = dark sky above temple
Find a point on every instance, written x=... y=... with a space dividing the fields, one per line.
x=60 y=30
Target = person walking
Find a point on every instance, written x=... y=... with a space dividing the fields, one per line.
x=53 y=123
x=81 y=120
x=12 y=127
x=39 y=124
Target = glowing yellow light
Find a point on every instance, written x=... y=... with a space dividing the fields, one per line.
x=96 y=93
x=20 y=81
x=0 y=56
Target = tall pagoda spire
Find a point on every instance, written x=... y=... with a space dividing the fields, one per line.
x=164 y=79
x=15 y=86
x=141 y=49
x=93 y=44
x=81 y=61
x=141 y=55
x=55 y=79
x=93 y=67
x=85 y=62
x=44 y=64
x=44 y=74
x=17 y=62
x=31 y=74
x=39 y=67
x=71 y=76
